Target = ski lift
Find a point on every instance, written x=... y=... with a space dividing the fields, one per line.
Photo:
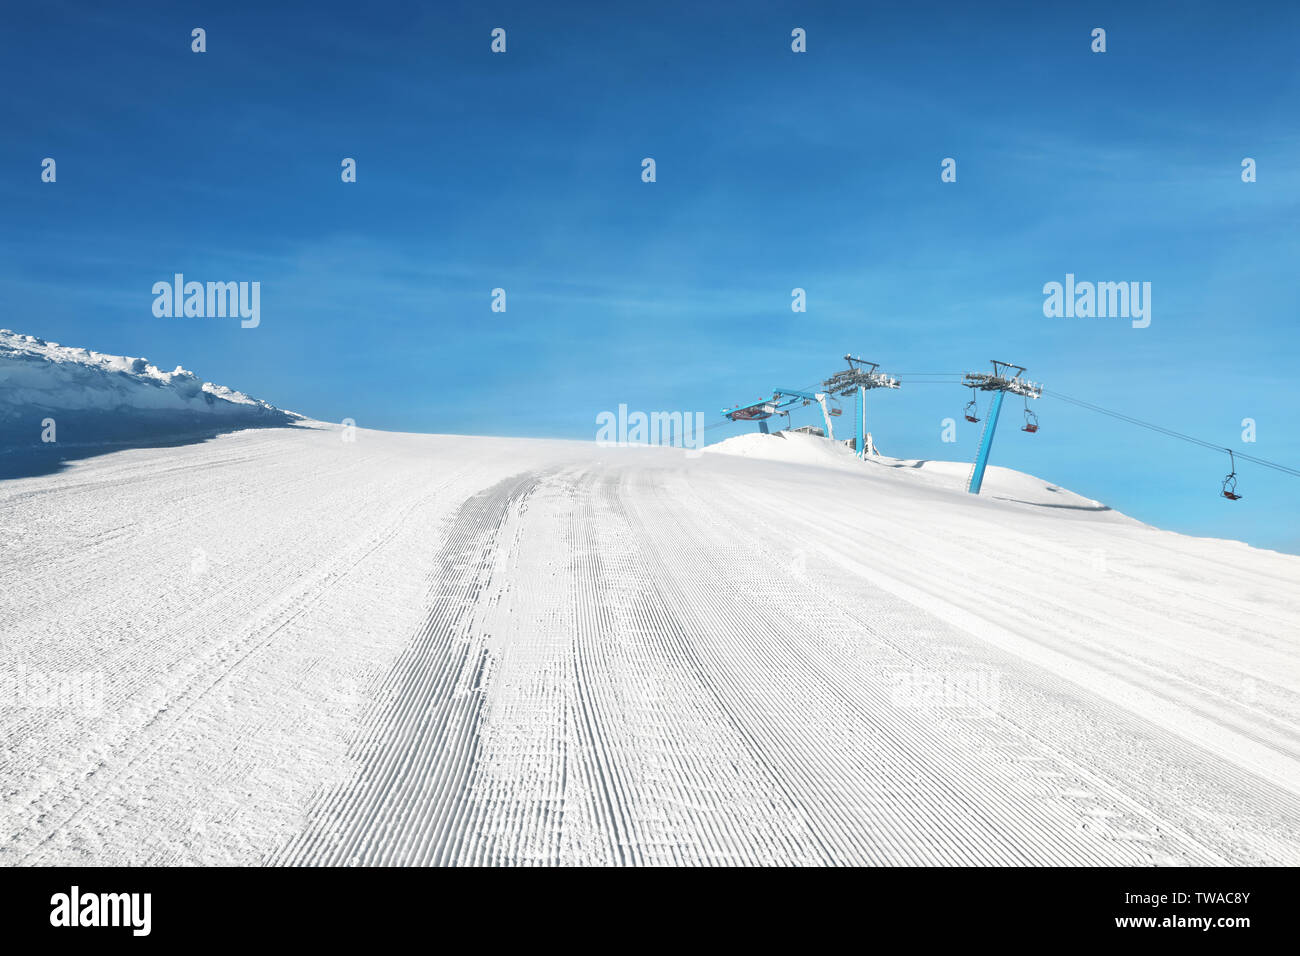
x=971 y=411
x=1230 y=480
x=1031 y=420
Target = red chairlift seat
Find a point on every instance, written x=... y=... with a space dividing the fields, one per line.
x=1031 y=420
x=1232 y=496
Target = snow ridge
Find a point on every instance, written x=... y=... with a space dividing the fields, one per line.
x=94 y=397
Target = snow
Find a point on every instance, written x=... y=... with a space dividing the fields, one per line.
x=93 y=397
x=284 y=646
x=803 y=449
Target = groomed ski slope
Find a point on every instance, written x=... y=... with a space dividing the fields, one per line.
x=415 y=649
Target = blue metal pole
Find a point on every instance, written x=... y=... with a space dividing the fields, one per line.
x=860 y=446
x=762 y=426
x=986 y=444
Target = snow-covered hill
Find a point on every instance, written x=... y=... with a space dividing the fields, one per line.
x=804 y=449
x=92 y=398
x=282 y=646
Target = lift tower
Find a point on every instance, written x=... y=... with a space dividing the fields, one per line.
x=860 y=376
x=999 y=383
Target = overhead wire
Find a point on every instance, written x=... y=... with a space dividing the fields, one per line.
x=1121 y=416
x=948 y=378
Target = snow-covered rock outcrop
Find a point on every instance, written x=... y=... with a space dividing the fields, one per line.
x=91 y=397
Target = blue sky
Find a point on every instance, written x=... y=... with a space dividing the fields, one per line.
x=775 y=170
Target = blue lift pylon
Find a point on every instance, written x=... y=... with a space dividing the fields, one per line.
x=860 y=440
x=999 y=383
x=859 y=377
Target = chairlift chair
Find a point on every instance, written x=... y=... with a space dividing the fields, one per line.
x=1031 y=420
x=1230 y=480
x=971 y=411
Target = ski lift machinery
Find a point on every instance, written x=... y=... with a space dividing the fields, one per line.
x=859 y=378
x=781 y=403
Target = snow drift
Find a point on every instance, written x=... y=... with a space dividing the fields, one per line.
x=797 y=448
x=94 y=398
